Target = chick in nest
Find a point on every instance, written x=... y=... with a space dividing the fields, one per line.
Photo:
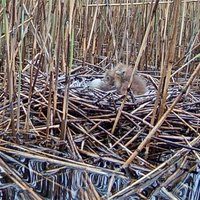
x=109 y=77
x=119 y=78
x=138 y=86
x=122 y=77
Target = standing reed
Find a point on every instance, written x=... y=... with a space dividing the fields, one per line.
x=50 y=52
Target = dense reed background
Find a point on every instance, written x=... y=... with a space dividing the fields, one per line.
x=43 y=42
x=95 y=31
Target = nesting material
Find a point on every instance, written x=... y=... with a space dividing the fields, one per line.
x=89 y=144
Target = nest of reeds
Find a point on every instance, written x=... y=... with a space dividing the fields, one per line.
x=45 y=149
x=62 y=140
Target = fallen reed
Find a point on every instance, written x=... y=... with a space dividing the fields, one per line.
x=52 y=124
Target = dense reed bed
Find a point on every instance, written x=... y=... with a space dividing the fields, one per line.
x=67 y=141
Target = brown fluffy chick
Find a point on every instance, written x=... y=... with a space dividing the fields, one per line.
x=122 y=77
x=109 y=77
x=123 y=70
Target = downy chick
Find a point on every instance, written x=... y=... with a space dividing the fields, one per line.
x=109 y=76
x=122 y=77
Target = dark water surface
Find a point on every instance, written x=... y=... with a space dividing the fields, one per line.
x=57 y=182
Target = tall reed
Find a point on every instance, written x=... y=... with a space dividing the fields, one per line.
x=46 y=36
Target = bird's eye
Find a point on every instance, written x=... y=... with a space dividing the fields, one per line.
x=108 y=78
x=123 y=72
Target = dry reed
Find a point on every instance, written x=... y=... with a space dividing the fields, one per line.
x=50 y=50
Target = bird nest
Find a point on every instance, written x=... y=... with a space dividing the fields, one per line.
x=81 y=155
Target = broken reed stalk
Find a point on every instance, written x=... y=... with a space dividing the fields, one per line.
x=92 y=28
x=162 y=119
x=10 y=42
x=92 y=190
x=168 y=162
x=136 y=3
x=189 y=144
x=166 y=64
x=40 y=155
x=69 y=61
x=49 y=110
x=186 y=64
x=85 y=28
x=126 y=33
x=21 y=48
x=18 y=181
x=112 y=33
x=142 y=49
x=58 y=50
x=35 y=172
x=182 y=29
x=164 y=46
x=169 y=60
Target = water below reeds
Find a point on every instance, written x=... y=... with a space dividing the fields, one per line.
x=54 y=181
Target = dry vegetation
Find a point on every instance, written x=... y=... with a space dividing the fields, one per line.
x=67 y=141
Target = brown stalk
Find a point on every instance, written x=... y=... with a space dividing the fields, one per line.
x=17 y=180
x=169 y=60
x=162 y=119
x=142 y=48
x=85 y=33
